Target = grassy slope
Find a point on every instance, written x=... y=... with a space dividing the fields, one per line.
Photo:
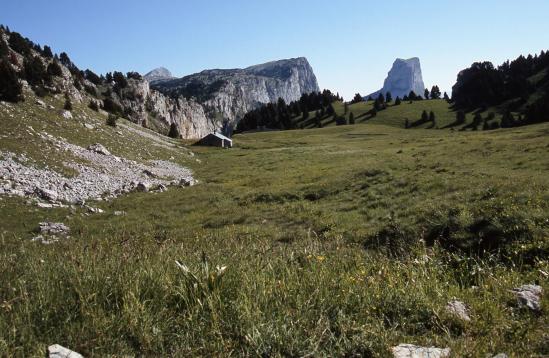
x=289 y=214
x=395 y=115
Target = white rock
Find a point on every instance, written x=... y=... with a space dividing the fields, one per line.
x=119 y=213
x=529 y=296
x=98 y=148
x=458 y=309
x=66 y=114
x=57 y=351
x=411 y=351
x=51 y=228
x=40 y=103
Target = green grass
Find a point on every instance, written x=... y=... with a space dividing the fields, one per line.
x=396 y=115
x=323 y=233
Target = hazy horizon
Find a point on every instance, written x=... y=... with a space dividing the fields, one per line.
x=351 y=48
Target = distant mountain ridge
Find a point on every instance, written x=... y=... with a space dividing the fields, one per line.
x=228 y=94
x=404 y=76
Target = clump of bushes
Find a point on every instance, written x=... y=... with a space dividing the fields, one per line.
x=112 y=119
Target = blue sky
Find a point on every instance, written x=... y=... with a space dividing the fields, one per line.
x=351 y=44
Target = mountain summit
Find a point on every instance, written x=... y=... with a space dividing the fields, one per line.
x=158 y=74
x=404 y=76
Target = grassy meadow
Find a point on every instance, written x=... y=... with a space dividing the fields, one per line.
x=340 y=241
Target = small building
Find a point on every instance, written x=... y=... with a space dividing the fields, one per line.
x=216 y=140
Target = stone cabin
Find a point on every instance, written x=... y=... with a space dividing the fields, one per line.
x=216 y=140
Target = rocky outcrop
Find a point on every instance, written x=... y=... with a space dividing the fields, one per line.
x=404 y=76
x=229 y=94
x=412 y=351
x=158 y=74
x=157 y=111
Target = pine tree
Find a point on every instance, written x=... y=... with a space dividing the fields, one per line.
x=351 y=118
x=424 y=117
x=35 y=72
x=446 y=98
x=397 y=101
x=54 y=69
x=381 y=98
x=47 y=52
x=357 y=98
x=412 y=96
x=4 y=49
x=435 y=92
x=432 y=117
x=388 y=97
x=11 y=89
x=19 y=44
x=426 y=94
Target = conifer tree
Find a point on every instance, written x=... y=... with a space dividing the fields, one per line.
x=351 y=118
x=174 y=132
x=10 y=88
x=47 y=52
x=397 y=101
x=426 y=94
x=388 y=97
x=432 y=117
x=424 y=116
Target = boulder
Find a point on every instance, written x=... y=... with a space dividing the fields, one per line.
x=412 y=351
x=57 y=351
x=50 y=228
x=46 y=194
x=143 y=187
x=99 y=149
x=458 y=309
x=66 y=114
x=40 y=103
x=529 y=296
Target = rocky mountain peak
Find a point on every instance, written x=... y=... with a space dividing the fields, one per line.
x=404 y=76
x=158 y=74
x=228 y=94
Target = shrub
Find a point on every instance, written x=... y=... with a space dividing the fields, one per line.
x=91 y=90
x=68 y=104
x=111 y=120
x=394 y=239
x=93 y=106
x=35 y=72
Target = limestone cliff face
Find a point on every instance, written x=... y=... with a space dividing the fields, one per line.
x=157 y=111
x=404 y=76
x=227 y=95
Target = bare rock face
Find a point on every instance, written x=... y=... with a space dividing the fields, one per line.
x=404 y=76
x=153 y=109
x=229 y=94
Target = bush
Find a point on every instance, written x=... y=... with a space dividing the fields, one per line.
x=93 y=106
x=111 y=120
x=68 y=104
x=393 y=239
x=90 y=89
x=11 y=89
x=35 y=71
